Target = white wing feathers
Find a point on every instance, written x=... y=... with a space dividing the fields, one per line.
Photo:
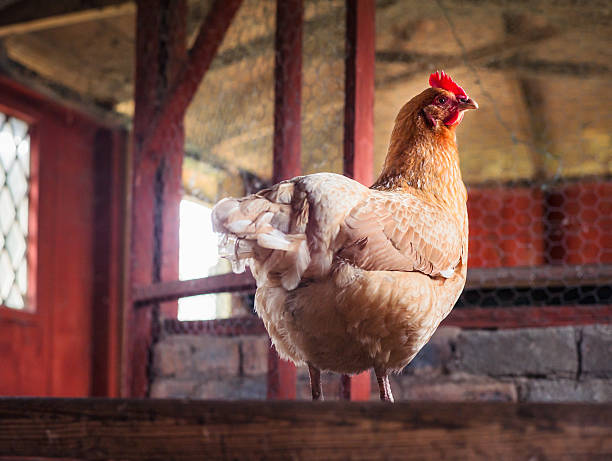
x=288 y=229
x=297 y=227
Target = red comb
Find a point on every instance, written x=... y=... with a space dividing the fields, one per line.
x=440 y=80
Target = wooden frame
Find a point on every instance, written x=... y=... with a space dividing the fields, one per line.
x=31 y=117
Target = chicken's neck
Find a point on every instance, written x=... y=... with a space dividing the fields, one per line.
x=423 y=159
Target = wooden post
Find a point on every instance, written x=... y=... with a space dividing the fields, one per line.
x=359 y=127
x=166 y=80
x=160 y=50
x=359 y=90
x=287 y=143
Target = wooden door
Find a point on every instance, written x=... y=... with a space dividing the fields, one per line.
x=65 y=341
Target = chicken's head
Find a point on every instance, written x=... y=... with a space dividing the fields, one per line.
x=445 y=102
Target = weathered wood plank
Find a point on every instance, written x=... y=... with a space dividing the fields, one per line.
x=165 y=291
x=95 y=429
x=30 y=16
x=539 y=276
x=528 y=317
x=359 y=90
x=493 y=277
x=359 y=127
x=476 y=317
x=155 y=188
x=282 y=375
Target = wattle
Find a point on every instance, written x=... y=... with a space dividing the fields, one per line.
x=454 y=119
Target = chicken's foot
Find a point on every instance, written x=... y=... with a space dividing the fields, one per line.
x=315 y=382
x=384 y=386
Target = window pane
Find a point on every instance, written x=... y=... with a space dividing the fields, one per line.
x=14 y=212
x=198 y=257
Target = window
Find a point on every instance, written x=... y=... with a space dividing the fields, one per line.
x=14 y=210
x=198 y=258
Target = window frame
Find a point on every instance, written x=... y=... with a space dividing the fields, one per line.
x=31 y=116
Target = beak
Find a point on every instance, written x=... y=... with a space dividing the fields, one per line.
x=468 y=104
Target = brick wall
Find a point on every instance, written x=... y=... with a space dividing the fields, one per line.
x=538 y=364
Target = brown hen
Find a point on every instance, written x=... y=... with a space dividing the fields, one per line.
x=351 y=278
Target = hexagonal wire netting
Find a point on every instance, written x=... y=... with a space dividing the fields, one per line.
x=536 y=156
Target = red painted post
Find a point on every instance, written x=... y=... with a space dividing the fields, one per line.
x=359 y=90
x=160 y=50
x=359 y=127
x=287 y=144
x=190 y=72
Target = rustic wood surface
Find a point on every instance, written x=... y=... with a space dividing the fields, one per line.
x=479 y=277
x=192 y=430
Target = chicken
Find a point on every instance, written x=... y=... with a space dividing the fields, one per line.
x=349 y=277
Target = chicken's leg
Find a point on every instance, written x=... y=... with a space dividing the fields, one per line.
x=315 y=382
x=385 y=387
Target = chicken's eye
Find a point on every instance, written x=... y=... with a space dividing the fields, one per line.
x=440 y=100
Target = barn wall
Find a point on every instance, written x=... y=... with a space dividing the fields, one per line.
x=532 y=365
x=69 y=344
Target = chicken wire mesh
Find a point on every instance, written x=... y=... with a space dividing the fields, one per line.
x=536 y=157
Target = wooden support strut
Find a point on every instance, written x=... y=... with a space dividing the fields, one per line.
x=193 y=69
x=359 y=127
x=287 y=144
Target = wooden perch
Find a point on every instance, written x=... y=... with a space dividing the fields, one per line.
x=193 y=430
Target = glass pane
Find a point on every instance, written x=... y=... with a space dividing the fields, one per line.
x=16 y=245
x=14 y=298
x=23 y=153
x=20 y=128
x=7 y=275
x=22 y=277
x=7 y=210
x=7 y=148
x=14 y=210
x=17 y=182
x=198 y=257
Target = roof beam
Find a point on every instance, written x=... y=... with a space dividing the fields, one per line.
x=30 y=16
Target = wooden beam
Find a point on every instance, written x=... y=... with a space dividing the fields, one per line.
x=288 y=89
x=528 y=317
x=416 y=62
x=359 y=127
x=156 y=181
x=282 y=376
x=172 y=290
x=30 y=16
x=478 y=278
x=359 y=90
x=464 y=317
x=109 y=283
x=182 y=430
x=190 y=75
x=539 y=276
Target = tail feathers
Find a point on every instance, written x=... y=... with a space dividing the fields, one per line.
x=256 y=231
